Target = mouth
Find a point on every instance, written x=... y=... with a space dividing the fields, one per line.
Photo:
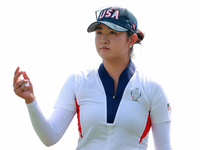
x=104 y=48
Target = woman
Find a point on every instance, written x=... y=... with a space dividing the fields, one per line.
x=116 y=104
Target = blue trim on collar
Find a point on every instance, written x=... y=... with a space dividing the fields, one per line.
x=108 y=83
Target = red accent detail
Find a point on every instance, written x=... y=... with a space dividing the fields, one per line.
x=78 y=117
x=169 y=107
x=115 y=15
x=108 y=13
x=102 y=14
x=133 y=26
x=147 y=128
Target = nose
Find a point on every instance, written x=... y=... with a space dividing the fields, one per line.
x=104 y=40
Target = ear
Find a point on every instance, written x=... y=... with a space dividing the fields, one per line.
x=132 y=40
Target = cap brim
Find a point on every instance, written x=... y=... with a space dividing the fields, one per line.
x=113 y=26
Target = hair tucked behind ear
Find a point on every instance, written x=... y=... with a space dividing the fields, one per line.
x=140 y=37
x=139 y=33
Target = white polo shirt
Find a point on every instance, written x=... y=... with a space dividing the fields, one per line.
x=107 y=121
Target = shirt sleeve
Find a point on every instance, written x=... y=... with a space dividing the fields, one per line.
x=51 y=130
x=66 y=98
x=160 y=110
x=161 y=134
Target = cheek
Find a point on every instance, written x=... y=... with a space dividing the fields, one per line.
x=97 y=44
x=120 y=43
x=121 y=46
x=96 y=41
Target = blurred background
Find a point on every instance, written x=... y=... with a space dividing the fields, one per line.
x=49 y=40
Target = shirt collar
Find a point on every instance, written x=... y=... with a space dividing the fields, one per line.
x=108 y=84
x=126 y=74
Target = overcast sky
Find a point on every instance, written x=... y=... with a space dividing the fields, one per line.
x=49 y=40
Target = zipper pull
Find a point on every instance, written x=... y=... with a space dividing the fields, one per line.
x=114 y=97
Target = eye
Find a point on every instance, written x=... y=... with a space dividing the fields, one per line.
x=113 y=32
x=98 y=32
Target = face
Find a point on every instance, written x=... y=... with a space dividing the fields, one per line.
x=112 y=45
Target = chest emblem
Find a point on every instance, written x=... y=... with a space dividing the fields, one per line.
x=135 y=94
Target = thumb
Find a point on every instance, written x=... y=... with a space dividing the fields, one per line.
x=29 y=82
x=25 y=76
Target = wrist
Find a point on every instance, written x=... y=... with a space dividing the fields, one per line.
x=28 y=101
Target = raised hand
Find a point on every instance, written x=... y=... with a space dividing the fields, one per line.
x=21 y=88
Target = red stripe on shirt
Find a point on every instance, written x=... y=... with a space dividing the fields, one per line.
x=147 y=128
x=78 y=117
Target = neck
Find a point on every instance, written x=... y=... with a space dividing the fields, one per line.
x=115 y=68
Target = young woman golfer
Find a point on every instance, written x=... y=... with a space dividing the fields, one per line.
x=116 y=104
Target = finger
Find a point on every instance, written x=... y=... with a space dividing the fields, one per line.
x=20 y=84
x=25 y=87
x=16 y=77
x=25 y=75
x=27 y=78
x=17 y=70
x=20 y=90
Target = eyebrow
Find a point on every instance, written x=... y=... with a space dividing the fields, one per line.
x=98 y=28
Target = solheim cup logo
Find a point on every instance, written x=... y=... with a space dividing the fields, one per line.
x=135 y=94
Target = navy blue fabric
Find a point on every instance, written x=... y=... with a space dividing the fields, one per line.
x=117 y=16
x=108 y=83
x=126 y=18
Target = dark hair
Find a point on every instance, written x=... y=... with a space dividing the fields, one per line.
x=140 y=37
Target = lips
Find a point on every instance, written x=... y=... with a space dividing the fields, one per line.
x=104 y=48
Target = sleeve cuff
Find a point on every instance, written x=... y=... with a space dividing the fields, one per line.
x=31 y=104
